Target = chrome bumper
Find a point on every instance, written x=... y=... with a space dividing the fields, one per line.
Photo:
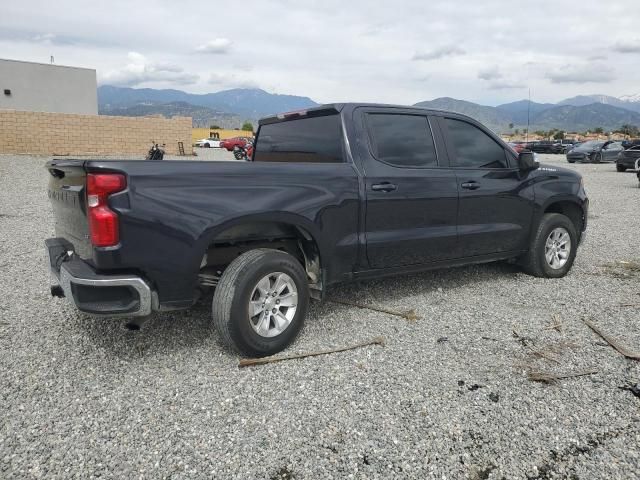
x=93 y=293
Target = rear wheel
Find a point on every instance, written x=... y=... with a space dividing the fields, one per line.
x=260 y=303
x=207 y=145
x=621 y=168
x=553 y=247
x=597 y=158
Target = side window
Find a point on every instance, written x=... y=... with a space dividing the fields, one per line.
x=402 y=140
x=474 y=148
x=313 y=139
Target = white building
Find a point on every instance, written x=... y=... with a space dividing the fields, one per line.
x=42 y=87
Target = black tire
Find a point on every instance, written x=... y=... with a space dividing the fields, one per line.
x=597 y=158
x=232 y=296
x=571 y=161
x=621 y=168
x=534 y=261
x=207 y=145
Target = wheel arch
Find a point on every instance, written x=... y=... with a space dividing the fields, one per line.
x=281 y=231
x=568 y=207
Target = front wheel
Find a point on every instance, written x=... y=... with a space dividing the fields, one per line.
x=260 y=303
x=621 y=168
x=553 y=247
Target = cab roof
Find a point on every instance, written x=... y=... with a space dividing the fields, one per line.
x=334 y=108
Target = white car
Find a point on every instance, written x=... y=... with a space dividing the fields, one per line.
x=208 y=143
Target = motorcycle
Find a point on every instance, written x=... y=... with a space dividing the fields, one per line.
x=155 y=152
x=243 y=153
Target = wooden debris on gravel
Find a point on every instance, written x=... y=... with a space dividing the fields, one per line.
x=408 y=315
x=249 y=362
x=611 y=340
x=550 y=377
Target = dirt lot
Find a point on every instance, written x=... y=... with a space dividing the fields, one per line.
x=447 y=397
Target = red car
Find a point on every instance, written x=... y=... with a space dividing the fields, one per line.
x=230 y=143
x=517 y=146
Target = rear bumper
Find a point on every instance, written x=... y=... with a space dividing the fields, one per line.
x=94 y=293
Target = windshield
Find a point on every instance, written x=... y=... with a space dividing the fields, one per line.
x=592 y=144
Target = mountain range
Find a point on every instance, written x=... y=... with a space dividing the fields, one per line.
x=249 y=103
x=229 y=108
x=573 y=114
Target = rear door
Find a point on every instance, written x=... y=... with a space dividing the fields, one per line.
x=496 y=200
x=411 y=193
x=611 y=151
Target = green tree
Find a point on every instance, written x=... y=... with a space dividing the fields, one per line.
x=628 y=129
x=598 y=130
x=517 y=131
x=247 y=127
x=511 y=126
x=559 y=135
x=215 y=127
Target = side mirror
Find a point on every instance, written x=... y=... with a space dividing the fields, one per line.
x=527 y=161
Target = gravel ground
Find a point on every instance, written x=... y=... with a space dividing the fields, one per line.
x=447 y=397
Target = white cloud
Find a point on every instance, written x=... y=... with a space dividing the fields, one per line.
x=627 y=46
x=360 y=54
x=47 y=38
x=232 y=80
x=215 y=46
x=587 y=73
x=140 y=70
x=490 y=73
x=440 y=52
x=506 y=86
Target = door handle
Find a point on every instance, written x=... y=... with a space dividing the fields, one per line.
x=470 y=185
x=383 y=187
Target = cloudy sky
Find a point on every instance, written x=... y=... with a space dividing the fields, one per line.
x=400 y=51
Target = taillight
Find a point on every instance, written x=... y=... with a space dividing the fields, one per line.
x=103 y=222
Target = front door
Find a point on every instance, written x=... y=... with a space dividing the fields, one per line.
x=411 y=193
x=496 y=202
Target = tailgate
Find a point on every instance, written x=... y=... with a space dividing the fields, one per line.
x=66 y=193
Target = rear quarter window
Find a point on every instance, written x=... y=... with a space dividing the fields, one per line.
x=305 y=140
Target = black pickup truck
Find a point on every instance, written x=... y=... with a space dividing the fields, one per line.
x=331 y=194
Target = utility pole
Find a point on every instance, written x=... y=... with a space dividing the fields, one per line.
x=528 y=113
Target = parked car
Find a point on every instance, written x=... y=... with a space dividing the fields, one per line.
x=208 y=143
x=231 y=143
x=630 y=143
x=627 y=159
x=333 y=194
x=546 y=146
x=595 y=151
x=567 y=144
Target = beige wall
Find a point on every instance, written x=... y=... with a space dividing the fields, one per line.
x=70 y=134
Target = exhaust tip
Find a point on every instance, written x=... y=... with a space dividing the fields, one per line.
x=57 y=291
x=132 y=326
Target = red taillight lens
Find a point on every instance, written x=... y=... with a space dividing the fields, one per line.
x=103 y=222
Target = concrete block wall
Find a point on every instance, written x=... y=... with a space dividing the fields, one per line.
x=42 y=133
